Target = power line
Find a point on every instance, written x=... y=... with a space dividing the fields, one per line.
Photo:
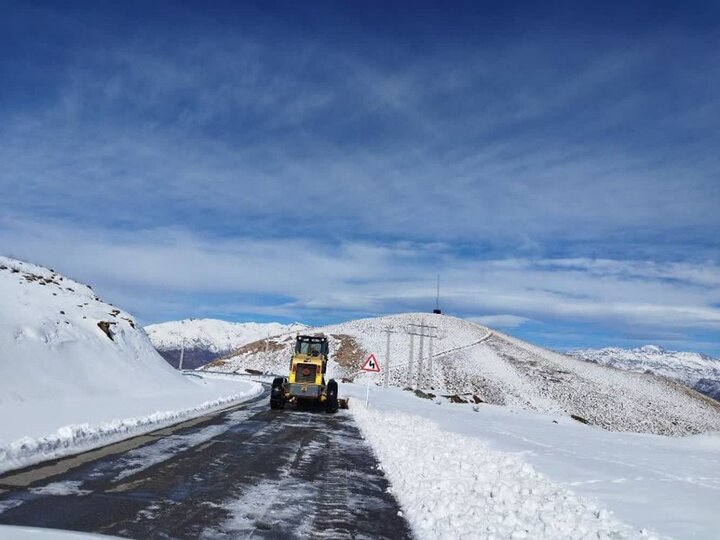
x=422 y=334
x=388 y=330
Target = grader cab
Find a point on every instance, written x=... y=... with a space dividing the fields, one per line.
x=306 y=382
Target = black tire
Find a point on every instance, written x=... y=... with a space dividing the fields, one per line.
x=277 y=393
x=276 y=404
x=331 y=404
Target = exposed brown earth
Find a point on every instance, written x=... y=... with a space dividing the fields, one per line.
x=348 y=353
x=344 y=350
x=256 y=347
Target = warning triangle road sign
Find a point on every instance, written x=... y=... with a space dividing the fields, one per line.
x=371 y=364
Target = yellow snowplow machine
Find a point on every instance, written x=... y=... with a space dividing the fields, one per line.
x=306 y=382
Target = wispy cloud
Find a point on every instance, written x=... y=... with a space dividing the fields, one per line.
x=455 y=146
x=501 y=321
x=550 y=178
x=302 y=279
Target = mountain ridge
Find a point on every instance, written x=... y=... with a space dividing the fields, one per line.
x=483 y=365
x=696 y=370
x=204 y=340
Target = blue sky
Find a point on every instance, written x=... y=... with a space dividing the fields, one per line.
x=555 y=163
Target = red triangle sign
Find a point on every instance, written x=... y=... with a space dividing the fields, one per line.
x=371 y=364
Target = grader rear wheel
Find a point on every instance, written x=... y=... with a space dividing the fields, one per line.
x=331 y=404
x=277 y=393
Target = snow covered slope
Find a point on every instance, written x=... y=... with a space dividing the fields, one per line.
x=60 y=341
x=474 y=363
x=484 y=471
x=75 y=369
x=693 y=369
x=206 y=339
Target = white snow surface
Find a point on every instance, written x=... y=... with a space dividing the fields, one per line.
x=477 y=363
x=10 y=532
x=68 y=487
x=213 y=335
x=65 y=386
x=485 y=471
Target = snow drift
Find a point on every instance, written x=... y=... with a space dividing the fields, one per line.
x=77 y=372
x=60 y=341
x=476 y=364
x=463 y=468
x=455 y=486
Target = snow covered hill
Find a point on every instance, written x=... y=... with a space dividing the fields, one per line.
x=693 y=369
x=206 y=339
x=76 y=372
x=59 y=340
x=475 y=364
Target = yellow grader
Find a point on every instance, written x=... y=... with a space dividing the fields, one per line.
x=306 y=381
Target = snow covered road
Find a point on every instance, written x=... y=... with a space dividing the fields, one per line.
x=245 y=472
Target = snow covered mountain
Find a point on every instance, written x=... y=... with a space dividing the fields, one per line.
x=77 y=373
x=206 y=339
x=693 y=369
x=59 y=340
x=476 y=364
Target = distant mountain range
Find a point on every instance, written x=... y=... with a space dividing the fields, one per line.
x=205 y=340
x=697 y=371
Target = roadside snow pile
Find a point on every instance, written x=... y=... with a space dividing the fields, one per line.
x=697 y=371
x=36 y=533
x=665 y=484
x=77 y=438
x=204 y=340
x=76 y=372
x=453 y=486
x=475 y=364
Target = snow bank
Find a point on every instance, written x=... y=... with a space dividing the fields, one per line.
x=76 y=438
x=54 y=346
x=453 y=486
x=664 y=484
x=76 y=372
x=36 y=533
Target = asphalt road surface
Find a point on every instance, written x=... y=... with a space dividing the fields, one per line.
x=246 y=472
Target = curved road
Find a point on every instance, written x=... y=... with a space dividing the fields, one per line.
x=246 y=472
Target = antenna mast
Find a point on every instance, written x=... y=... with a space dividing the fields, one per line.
x=437 y=298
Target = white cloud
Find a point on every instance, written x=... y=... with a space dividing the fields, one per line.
x=501 y=321
x=163 y=271
x=227 y=175
x=239 y=131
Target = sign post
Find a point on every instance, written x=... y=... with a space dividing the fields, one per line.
x=371 y=365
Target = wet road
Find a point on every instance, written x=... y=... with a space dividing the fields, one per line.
x=247 y=472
